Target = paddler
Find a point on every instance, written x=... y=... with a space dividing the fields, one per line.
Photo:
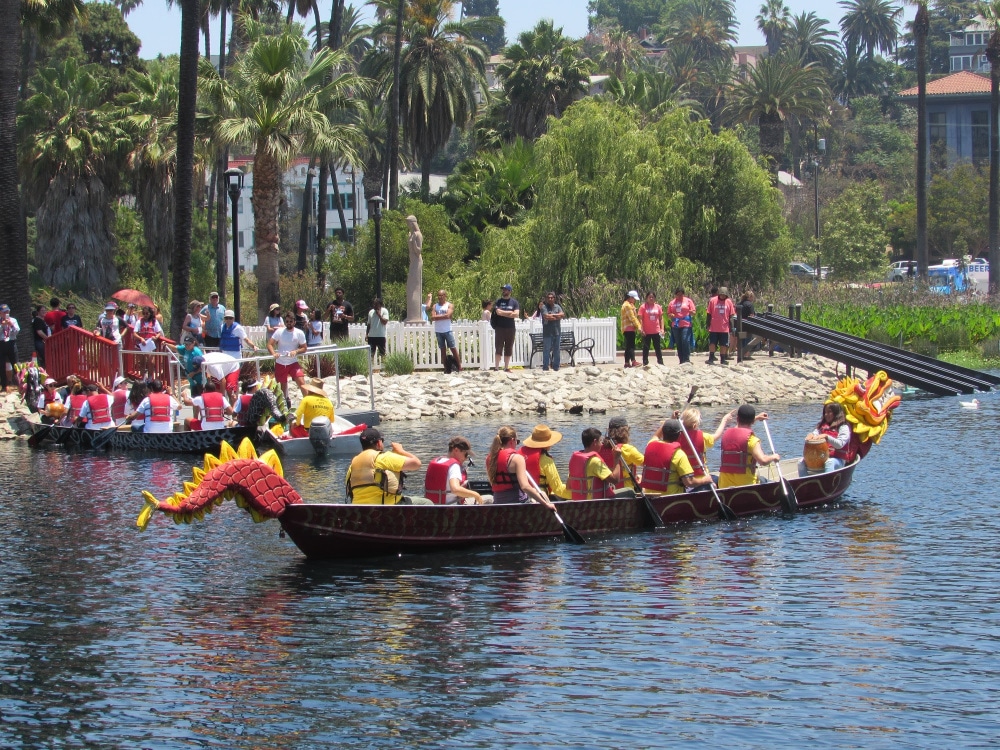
x=375 y=476
x=590 y=478
x=507 y=473
x=668 y=470
x=539 y=463
x=742 y=451
x=96 y=410
x=618 y=435
x=697 y=453
x=156 y=409
x=446 y=482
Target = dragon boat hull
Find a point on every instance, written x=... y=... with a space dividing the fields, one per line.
x=338 y=531
x=195 y=442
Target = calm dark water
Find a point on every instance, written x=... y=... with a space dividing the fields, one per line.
x=874 y=623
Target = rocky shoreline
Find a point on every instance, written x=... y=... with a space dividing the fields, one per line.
x=484 y=394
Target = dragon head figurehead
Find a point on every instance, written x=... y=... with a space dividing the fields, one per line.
x=256 y=483
x=867 y=405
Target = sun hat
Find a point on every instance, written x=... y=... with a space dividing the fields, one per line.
x=229 y=314
x=634 y=294
x=274 y=306
x=507 y=288
x=543 y=437
x=723 y=291
x=313 y=385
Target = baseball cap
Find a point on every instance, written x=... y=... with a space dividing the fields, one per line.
x=49 y=381
x=462 y=443
x=111 y=306
x=274 y=306
x=634 y=294
x=301 y=305
x=369 y=436
x=723 y=291
x=213 y=294
x=4 y=308
x=229 y=314
x=118 y=381
x=507 y=288
x=617 y=423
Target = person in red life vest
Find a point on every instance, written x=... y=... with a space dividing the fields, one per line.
x=590 y=478
x=119 y=399
x=681 y=312
x=50 y=403
x=508 y=473
x=651 y=318
x=720 y=312
x=446 y=479
x=96 y=410
x=157 y=410
x=668 y=470
x=539 y=463
x=691 y=419
x=618 y=435
x=75 y=401
x=210 y=409
x=839 y=437
x=741 y=450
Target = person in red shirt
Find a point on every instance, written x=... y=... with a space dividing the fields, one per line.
x=681 y=313
x=720 y=311
x=54 y=317
x=651 y=317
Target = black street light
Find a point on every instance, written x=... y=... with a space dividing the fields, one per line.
x=375 y=204
x=234 y=178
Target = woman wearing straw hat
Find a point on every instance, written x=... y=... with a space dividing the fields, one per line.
x=539 y=463
x=272 y=321
x=315 y=403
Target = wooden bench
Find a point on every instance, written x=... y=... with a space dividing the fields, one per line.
x=567 y=343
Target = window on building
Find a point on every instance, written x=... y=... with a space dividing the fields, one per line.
x=961 y=62
x=975 y=38
x=335 y=232
x=981 y=136
x=346 y=200
x=937 y=134
x=242 y=242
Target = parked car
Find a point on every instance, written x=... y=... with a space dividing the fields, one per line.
x=899 y=270
x=804 y=271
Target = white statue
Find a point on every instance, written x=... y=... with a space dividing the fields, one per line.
x=415 y=276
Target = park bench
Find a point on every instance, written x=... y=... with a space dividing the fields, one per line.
x=567 y=343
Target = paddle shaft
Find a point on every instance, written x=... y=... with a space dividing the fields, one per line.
x=727 y=512
x=654 y=516
x=791 y=502
x=569 y=532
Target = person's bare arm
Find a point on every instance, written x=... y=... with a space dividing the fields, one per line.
x=764 y=458
x=410 y=462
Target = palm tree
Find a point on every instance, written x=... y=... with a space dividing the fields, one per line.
x=15 y=16
x=773 y=91
x=773 y=20
x=543 y=75
x=71 y=151
x=921 y=28
x=870 y=25
x=708 y=26
x=275 y=103
x=809 y=40
x=991 y=12
x=621 y=52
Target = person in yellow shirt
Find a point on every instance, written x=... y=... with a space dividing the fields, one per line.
x=375 y=475
x=741 y=450
x=315 y=403
x=539 y=463
x=618 y=435
x=590 y=478
x=630 y=324
x=668 y=470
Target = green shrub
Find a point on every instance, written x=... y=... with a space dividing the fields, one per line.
x=397 y=363
x=351 y=363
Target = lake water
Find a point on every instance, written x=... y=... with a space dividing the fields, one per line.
x=872 y=623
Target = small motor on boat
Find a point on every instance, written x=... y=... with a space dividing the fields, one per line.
x=320 y=435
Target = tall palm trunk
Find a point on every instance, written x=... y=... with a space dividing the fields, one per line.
x=324 y=176
x=187 y=89
x=307 y=204
x=339 y=203
x=266 y=202
x=993 y=55
x=14 y=288
x=393 y=165
x=921 y=28
x=219 y=175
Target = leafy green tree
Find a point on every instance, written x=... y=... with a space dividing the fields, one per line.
x=773 y=20
x=707 y=26
x=621 y=52
x=957 y=221
x=542 y=76
x=870 y=25
x=877 y=147
x=495 y=39
x=810 y=41
x=72 y=149
x=854 y=231
x=631 y=15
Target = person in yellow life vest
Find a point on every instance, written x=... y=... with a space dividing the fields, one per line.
x=742 y=451
x=618 y=435
x=668 y=470
x=375 y=475
x=539 y=463
x=315 y=403
x=590 y=478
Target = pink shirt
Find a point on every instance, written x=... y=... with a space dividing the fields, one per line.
x=678 y=311
x=651 y=318
x=721 y=311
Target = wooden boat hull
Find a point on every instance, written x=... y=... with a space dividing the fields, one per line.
x=333 y=531
x=196 y=442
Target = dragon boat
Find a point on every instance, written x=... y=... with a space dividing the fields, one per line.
x=331 y=530
x=124 y=439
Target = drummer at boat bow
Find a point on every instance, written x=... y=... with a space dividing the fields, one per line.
x=375 y=475
x=446 y=481
x=157 y=410
x=742 y=451
x=668 y=470
x=590 y=478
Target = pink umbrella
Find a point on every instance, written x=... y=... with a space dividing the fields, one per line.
x=134 y=296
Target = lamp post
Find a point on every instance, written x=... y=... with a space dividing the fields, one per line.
x=234 y=179
x=820 y=150
x=375 y=204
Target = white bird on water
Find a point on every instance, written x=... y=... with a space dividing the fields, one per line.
x=974 y=404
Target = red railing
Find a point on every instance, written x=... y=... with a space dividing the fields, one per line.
x=74 y=351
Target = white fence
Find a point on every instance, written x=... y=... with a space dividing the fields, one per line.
x=476 y=343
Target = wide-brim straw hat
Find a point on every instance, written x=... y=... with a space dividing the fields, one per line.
x=543 y=437
x=314 y=386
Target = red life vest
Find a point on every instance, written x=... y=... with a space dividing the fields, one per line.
x=147 y=328
x=608 y=457
x=99 y=411
x=503 y=481
x=215 y=407
x=696 y=457
x=656 y=474
x=118 y=407
x=49 y=395
x=159 y=407
x=532 y=462
x=245 y=400
x=436 y=481
x=76 y=402
x=736 y=457
x=582 y=487
x=845 y=454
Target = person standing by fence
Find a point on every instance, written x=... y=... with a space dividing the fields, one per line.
x=630 y=324
x=506 y=311
x=651 y=317
x=8 y=346
x=681 y=311
x=552 y=315
x=441 y=315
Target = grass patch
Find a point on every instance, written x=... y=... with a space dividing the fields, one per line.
x=397 y=363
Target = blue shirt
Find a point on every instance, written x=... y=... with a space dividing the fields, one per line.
x=214 y=318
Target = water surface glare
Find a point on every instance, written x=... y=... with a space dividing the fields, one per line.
x=872 y=623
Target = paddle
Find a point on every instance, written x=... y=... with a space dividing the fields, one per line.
x=38 y=436
x=650 y=510
x=727 y=512
x=789 y=502
x=103 y=437
x=571 y=534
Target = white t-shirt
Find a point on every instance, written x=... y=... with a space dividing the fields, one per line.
x=91 y=425
x=206 y=425
x=442 y=325
x=146 y=409
x=220 y=364
x=454 y=472
x=286 y=341
x=315 y=332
